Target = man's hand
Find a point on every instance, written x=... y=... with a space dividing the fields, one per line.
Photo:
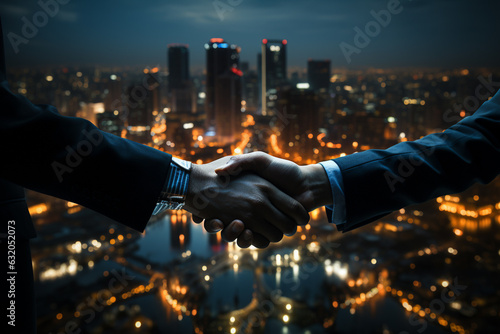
x=239 y=197
x=307 y=184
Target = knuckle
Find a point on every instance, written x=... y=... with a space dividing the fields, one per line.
x=296 y=207
x=258 y=202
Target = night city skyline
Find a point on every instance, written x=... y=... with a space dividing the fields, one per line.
x=422 y=33
x=203 y=80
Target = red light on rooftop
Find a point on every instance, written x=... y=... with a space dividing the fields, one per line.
x=217 y=40
x=237 y=71
x=284 y=42
x=264 y=41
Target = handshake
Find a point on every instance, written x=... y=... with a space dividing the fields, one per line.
x=255 y=198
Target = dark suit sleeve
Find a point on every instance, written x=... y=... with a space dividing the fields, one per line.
x=70 y=158
x=378 y=182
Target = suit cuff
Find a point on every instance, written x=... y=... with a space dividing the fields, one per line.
x=337 y=211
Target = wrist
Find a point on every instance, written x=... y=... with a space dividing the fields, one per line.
x=199 y=183
x=318 y=185
x=204 y=184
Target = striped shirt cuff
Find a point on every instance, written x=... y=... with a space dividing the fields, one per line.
x=178 y=181
x=176 y=185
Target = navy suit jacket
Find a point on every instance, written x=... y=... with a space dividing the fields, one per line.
x=378 y=182
x=70 y=158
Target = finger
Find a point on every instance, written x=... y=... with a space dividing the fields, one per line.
x=213 y=225
x=289 y=206
x=255 y=161
x=265 y=228
x=259 y=241
x=196 y=219
x=279 y=220
x=233 y=230
x=245 y=239
x=283 y=211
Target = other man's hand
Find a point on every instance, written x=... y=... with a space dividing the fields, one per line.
x=237 y=197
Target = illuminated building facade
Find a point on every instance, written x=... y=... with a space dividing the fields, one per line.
x=143 y=101
x=272 y=63
x=223 y=91
x=299 y=121
x=250 y=89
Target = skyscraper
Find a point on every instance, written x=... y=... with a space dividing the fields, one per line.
x=318 y=75
x=182 y=95
x=143 y=101
x=273 y=70
x=250 y=88
x=299 y=121
x=223 y=90
x=178 y=66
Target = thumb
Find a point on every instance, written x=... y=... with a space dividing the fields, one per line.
x=255 y=161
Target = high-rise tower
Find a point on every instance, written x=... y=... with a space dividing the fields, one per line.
x=273 y=70
x=181 y=93
x=178 y=66
x=223 y=90
x=318 y=75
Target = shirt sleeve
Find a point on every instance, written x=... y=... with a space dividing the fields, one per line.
x=177 y=184
x=336 y=212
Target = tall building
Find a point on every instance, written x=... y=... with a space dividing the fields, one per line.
x=250 y=88
x=178 y=66
x=251 y=91
x=114 y=89
x=181 y=91
x=143 y=103
x=298 y=122
x=318 y=75
x=273 y=71
x=223 y=91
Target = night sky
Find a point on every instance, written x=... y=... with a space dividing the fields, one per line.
x=426 y=33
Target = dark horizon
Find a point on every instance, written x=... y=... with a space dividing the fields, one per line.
x=419 y=34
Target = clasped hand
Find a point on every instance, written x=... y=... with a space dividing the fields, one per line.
x=255 y=198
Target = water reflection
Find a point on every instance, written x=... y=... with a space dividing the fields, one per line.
x=226 y=289
x=179 y=279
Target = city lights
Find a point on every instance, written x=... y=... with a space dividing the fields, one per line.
x=314 y=114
